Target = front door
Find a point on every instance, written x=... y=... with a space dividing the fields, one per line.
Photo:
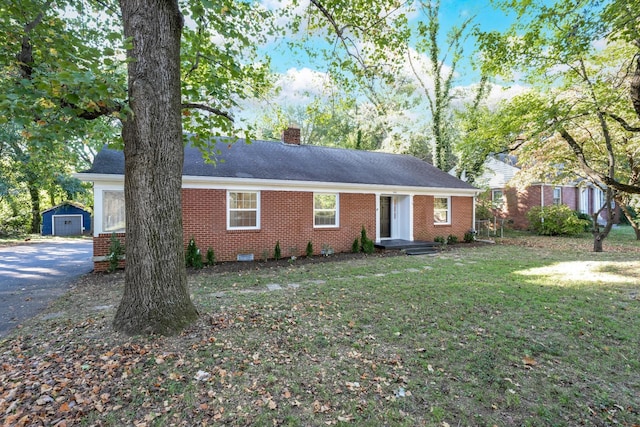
x=385 y=217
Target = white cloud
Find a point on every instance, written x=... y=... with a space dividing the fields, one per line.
x=301 y=86
x=599 y=44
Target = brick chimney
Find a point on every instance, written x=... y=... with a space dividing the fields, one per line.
x=291 y=135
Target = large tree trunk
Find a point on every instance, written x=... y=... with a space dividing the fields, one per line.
x=36 y=219
x=156 y=299
x=599 y=234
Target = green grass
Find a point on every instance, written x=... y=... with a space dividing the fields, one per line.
x=529 y=331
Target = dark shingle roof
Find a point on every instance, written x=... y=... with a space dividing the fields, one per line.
x=274 y=160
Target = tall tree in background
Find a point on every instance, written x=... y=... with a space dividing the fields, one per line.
x=580 y=95
x=64 y=66
x=436 y=77
x=46 y=87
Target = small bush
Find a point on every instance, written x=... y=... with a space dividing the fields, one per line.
x=116 y=251
x=355 y=247
x=368 y=247
x=363 y=238
x=469 y=236
x=193 y=257
x=557 y=220
x=309 y=250
x=211 y=257
x=451 y=239
x=440 y=239
x=589 y=221
x=277 y=254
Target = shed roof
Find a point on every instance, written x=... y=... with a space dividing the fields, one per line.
x=274 y=160
x=67 y=203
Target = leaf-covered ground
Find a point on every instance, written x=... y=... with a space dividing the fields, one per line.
x=530 y=331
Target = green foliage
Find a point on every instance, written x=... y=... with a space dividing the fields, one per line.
x=588 y=225
x=440 y=239
x=116 y=251
x=452 y=239
x=368 y=247
x=355 y=246
x=363 y=237
x=277 y=254
x=555 y=220
x=211 y=257
x=309 y=249
x=469 y=236
x=193 y=257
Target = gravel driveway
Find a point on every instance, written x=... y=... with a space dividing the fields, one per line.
x=32 y=275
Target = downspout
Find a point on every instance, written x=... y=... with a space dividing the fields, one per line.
x=542 y=203
x=473 y=216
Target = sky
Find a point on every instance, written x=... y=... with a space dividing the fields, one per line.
x=301 y=80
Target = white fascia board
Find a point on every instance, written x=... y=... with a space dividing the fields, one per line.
x=100 y=178
x=226 y=183
x=317 y=186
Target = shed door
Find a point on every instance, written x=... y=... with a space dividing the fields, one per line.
x=67 y=225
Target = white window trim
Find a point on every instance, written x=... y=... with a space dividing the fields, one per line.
x=448 y=222
x=337 y=224
x=559 y=189
x=257 y=226
x=497 y=203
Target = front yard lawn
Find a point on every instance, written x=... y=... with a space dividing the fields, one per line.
x=529 y=331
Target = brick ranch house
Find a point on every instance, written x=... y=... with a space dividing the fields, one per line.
x=512 y=201
x=265 y=192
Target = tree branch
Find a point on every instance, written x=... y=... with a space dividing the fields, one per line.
x=626 y=126
x=101 y=111
x=590 y=172
x=209 y=109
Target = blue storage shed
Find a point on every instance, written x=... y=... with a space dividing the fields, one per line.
x=66 y=219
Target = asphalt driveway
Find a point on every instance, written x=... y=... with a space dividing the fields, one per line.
x=32 y=275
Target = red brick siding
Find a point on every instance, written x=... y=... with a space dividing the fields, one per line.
x=287 y=217
x=571 y=197
x=425 y=229
x=518 y=202
x=101 y=248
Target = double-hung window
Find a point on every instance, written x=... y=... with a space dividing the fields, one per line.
x=442 y=210
x=243 y=210
x=497 y=197
x=113 y=213
x=557 y=195
x=325 y=210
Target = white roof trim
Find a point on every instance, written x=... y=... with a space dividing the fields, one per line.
x=207 y=182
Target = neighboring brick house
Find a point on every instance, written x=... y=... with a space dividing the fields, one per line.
x=265 y=192
x=512 y=201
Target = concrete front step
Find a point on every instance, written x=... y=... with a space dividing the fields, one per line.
x=426 y=250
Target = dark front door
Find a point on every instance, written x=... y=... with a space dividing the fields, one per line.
x=385 y=217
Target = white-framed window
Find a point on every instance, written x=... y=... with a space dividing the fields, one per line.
x=497 y=197
x=442 y=210
x=325 y=210
x=113 y=213
x=243 y=210
x=557 y=195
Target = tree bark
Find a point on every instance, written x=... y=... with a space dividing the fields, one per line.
x=36 y=219
x=635 y=223
x=156 y=299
